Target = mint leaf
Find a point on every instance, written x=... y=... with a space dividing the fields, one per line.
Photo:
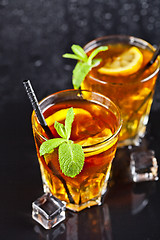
x=79 y=52
x=95 y=52
x=49 y=145
x=79 y=73
x=60 y=128
x=96 y=62
x=68 y=122
x=71 y=156
x=85 y=64
x=71 y=159
x=72 y=56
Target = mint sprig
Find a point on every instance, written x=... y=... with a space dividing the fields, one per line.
x=70 y=155
x=85 y=63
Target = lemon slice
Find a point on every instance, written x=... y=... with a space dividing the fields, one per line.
x=98 y=138
x=125 y=64
x=61 y=115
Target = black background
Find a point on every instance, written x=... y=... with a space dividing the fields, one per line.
x=33 y=37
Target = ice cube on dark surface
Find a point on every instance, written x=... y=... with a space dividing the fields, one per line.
x=144 y=166
x=48 y=211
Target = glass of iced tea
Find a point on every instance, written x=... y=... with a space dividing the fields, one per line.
x=96 y=127
x=120 y=77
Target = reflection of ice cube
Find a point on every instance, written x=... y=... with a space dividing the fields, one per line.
x=51 y=234
x=144 y=166
x=48 y=211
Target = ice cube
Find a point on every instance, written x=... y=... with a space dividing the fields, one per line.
x=144 y=166
x=48 y=211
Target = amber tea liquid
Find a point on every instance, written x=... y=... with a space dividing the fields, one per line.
x=93 y=125
x=133 y=93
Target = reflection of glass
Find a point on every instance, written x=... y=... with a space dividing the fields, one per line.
x=96 y=126
x=132 y=91
x=130 y=198
x=93 y=224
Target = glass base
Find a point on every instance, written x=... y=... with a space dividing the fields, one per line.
x=48 y=211
x=136 y=141
x=98 y=200
x=79 y=207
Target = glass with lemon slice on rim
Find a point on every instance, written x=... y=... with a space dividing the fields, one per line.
x=96 y=127
x=120 y=78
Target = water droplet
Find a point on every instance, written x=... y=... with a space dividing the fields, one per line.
x=67 y=67
x=18 y=12
x=108 y=25
x=123 y=19
x=3 y=3
x=150 y=27
x=136 y=18
x=24 y=19
x=151 y=19
x=64 y=27
x=127 y=6
x=157 y=24
x=145 y=5
x=143 y=12
x=38 y=63
x=108 y=16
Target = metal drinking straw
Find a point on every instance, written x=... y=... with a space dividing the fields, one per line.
x=36 y=107
x=39 y=114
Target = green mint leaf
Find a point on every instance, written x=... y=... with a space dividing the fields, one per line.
x=71 y=56
x=95 y=52
x=68 y=122
x=79 y=52
x=96 y=62
x=60 y=128
x=71 y=156
x=49 y=145
x=79 y=73
x=85 y=63
x=71 y=159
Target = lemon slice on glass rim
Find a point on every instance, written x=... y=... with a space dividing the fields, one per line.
x=125 y=64
x=61 y=115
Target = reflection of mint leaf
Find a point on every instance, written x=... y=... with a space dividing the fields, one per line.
x=71 y=159
x=71 y=156
x=68 y=122
x=49 y=145
x=85 y=64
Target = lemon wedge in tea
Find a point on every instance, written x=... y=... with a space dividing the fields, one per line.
x=98 y=138
x=125 y=64
x=61 y=115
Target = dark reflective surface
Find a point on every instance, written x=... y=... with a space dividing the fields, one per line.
x=130 y=210
x=33 y=37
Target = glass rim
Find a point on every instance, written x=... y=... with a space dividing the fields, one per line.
x=131 y=39
x=88 y=147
